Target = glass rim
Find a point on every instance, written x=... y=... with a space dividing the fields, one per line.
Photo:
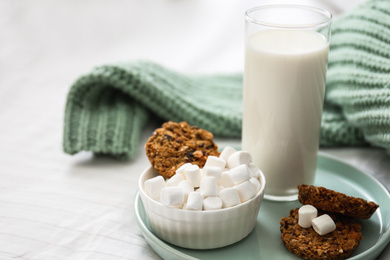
x=326 y=14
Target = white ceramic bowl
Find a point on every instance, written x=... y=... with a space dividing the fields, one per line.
x=200 y=229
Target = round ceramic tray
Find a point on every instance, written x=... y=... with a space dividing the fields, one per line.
x=264 y=242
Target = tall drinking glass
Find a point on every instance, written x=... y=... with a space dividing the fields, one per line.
x=286 y=55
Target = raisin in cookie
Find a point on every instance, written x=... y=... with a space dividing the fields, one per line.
x=175 y=144
x=307 y=244
x=334 y=201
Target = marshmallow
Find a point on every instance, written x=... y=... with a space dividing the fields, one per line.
x=208 y=186
x=239 y=174
x=226 y=153
x=226 y=180
x=255 y=182
x=172 y=196
x=254 y=171
x=215 y=161
x=245 y=190
x=180 y=170
x=212 y=203
x=323 y=224
x=193 y=174
x=154 y=186
x=306 y=214
x=229 y=197
x=238 y=158
x=187 y=187
x=212 y=171
x=194 y=201
x=175 y=180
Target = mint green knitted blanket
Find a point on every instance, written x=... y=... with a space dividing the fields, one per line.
x=108 y=107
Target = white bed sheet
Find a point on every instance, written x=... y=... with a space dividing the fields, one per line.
x=56 y=206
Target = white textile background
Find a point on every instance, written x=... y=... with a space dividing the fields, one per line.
x=56 y=206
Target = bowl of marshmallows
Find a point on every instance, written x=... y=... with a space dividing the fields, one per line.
x=205 y=208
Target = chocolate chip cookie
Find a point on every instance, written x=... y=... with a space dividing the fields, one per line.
x=308 y=244
x=175 y=144
x=334 y=201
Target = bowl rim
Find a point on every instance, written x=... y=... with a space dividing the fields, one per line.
x=260 y=193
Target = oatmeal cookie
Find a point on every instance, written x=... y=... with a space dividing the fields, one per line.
x=307 y=244
x=175 y=144
x=333 y=201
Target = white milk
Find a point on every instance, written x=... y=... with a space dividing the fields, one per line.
x=284 y=86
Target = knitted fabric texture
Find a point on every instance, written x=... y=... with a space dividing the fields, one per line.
x=108 y=107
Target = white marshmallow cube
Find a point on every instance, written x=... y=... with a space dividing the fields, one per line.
x=323 y=224
x=238 y=158
x=215 y=161
x=306 y=214
x=172 y=196
x=212 y=171
x=187 y=187
x=180 y=170
x=226 y=180
x=174 y=180
x=239 y=174
x=194 y=201
x=227 y=152
x=192 y=173
x=154 y=186
x=254 y=171
x=245 y=190
x=255 y=182
x=229 y=197
x=208 y=186
x=212 y=203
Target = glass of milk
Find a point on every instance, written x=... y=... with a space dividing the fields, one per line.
x=286 y=55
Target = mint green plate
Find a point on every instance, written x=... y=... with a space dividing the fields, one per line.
x=264 y=242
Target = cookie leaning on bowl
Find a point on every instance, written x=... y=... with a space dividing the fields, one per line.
x=175 y=144
x=334 y=201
